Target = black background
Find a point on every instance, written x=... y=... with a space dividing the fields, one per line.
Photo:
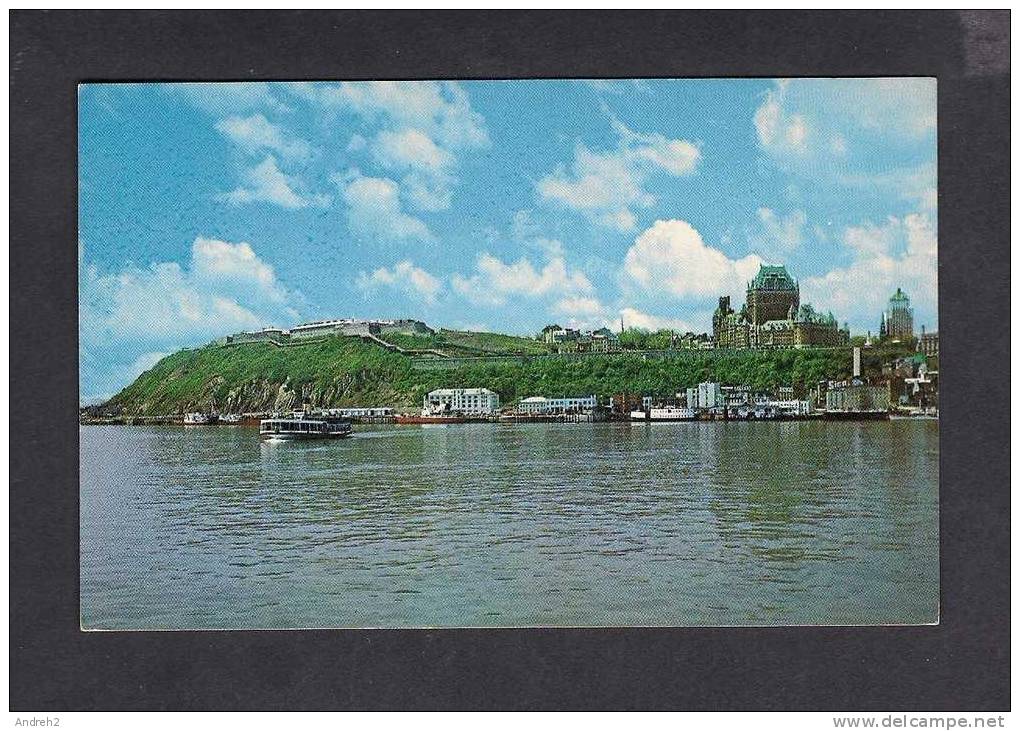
x=961 y=664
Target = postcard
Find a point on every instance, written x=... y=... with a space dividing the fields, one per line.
x=523 y=353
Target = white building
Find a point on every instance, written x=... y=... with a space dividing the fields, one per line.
x=705 y=396
x=479 y=401
x=354 y=326
x=330 y=327
x=790 y=407
x=543 y=405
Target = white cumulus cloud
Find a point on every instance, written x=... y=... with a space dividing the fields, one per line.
x=225 y=287
x=256 y=134
x=410 y=148
x=778 y=235
x=580 y=307
x=131 y=317
x=230 y=97
x=829 y=127
x=404 y=277
x=266 y=183
x=607 y=186
x=643 y=321
x=671 y=258
x=440 y=109
x=374 y=209
x=420 y=129
x=899 y=252
x=495 y=281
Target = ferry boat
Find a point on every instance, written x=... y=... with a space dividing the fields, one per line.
x=671 y=413
x=303 y=426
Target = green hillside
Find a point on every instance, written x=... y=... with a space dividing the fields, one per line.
x=466 y=344
x=345 y=371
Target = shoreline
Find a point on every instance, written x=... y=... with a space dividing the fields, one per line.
x=830 y=417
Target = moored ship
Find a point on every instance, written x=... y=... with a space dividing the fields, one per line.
x=198 y=419
x=302 y=426
x=855 y=415
x=433 y=419
x=441 y=413
x=671 y=413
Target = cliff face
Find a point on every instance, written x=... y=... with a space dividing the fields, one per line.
x=258 y=377
x=345 y=371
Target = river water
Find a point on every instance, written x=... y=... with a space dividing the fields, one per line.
x=680 y=524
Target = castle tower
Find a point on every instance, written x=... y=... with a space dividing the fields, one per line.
x=771 y=295
x=899 y=317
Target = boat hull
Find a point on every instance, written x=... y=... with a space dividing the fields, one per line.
x=301 y=437
x=433 y=419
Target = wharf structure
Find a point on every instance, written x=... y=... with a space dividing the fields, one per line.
x=364 y=414
x=773 y=317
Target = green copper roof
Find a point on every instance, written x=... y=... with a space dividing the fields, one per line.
x=773 y=279
x=900 y=296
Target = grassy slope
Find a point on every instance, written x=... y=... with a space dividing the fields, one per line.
x=346 y=371
x=461 y=343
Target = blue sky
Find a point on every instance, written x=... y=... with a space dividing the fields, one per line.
x=499 y=205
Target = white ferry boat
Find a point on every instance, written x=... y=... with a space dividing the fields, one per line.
x=671 y=413
x=303 y=426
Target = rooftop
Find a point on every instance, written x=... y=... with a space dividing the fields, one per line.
x=773 y=279
x=899 y=297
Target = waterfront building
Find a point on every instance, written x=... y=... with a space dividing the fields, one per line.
x=543 y=405
x=928 y=343
x=477 y=401
x=898 y=318
x=922 y=389
x=705 y=396
x=853 y=396
x=623 y=404
x=773 y=317
x=789 y=407
x=742 y=397
x=911 y=381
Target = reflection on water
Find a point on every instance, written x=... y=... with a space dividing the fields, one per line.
x=511 y=525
